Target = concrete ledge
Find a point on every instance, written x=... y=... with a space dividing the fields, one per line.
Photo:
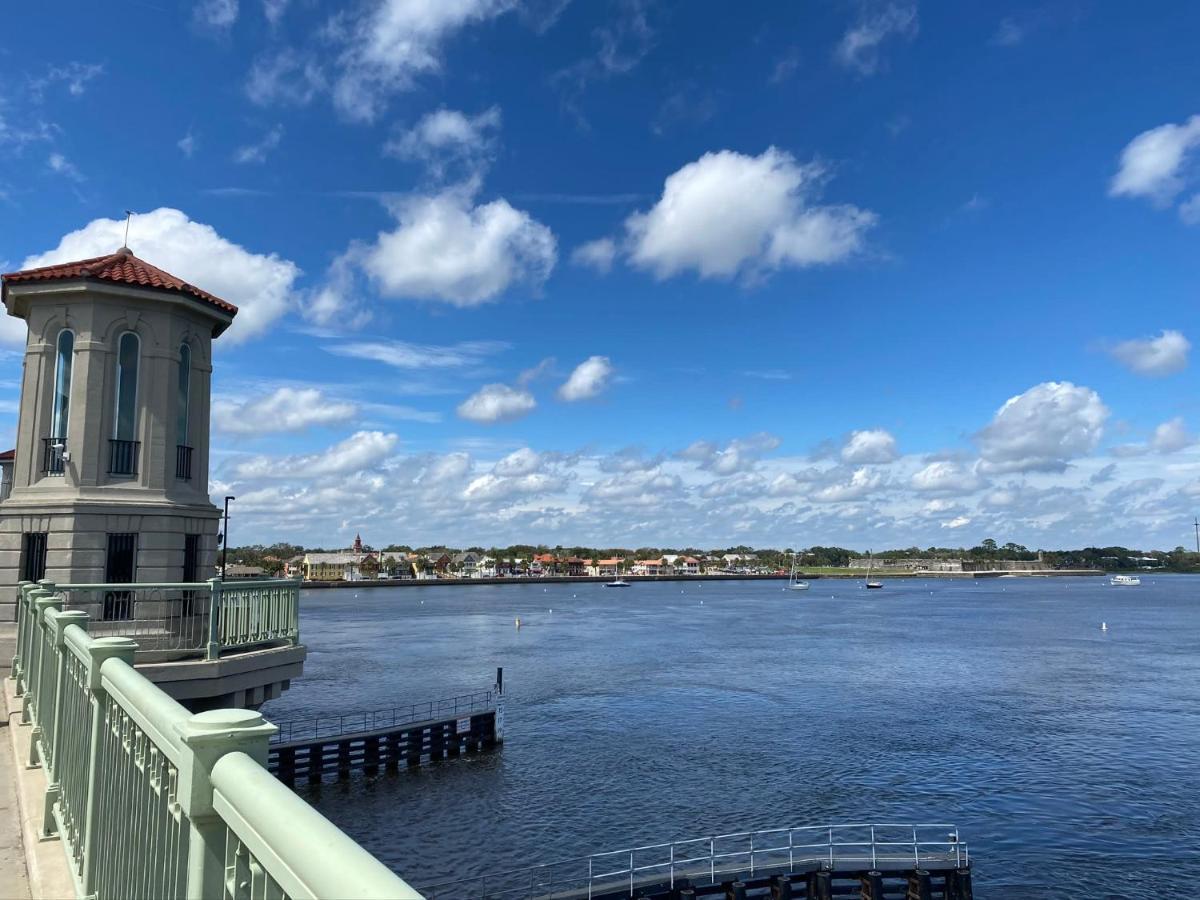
x=241 y=680
x=45 y=858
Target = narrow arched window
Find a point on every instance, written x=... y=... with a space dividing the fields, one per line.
x=64 y=355
x=125 y=427
x=183 y=397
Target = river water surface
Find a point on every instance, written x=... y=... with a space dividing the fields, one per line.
x=1068 y=756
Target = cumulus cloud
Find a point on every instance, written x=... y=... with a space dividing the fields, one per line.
x=445 y=248
x=392 y=43
x=1153 y=165
x=362 y=450
x=860 y=46
x=260 y=285
x=1154 y=356
x=497 y=403
x=492 y=487
x=875 y=446
x=646 y=488
x=285 y=409
x=1171 y=436
x=598 y=254
x=284 y=76
x=447 y=138
x=1042 y=429
x=729 y=213
x=945 y=476
x=520 y=462
x=589 y=379
x=738 y=455
x=862 y=482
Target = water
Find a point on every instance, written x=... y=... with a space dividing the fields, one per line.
x=642 y=715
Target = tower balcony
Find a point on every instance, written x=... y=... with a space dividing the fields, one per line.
x=123 y=457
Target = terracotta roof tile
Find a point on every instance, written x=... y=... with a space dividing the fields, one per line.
x=121 y=267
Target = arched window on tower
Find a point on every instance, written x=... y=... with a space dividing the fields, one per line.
x=183 y=449
x=56 y=443
x=123 y=448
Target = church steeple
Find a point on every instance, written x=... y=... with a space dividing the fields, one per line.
x=358 y=544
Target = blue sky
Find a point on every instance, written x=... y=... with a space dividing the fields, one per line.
x=650 y=273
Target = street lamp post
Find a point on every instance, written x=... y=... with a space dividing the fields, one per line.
x=225 y=537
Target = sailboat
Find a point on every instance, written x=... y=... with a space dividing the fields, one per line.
x=871 y=585
x=793 y=583
x=617 y=582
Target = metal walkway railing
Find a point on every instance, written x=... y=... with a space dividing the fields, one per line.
x=383 y=719
x=854 y=846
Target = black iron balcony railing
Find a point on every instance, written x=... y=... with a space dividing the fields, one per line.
x=123 y=457
x=183 y=462
x=52 y=455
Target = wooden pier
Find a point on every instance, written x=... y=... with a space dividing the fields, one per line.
x=311 y=750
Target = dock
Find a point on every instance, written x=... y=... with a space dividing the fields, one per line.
x=871 y=861
x=311 y=750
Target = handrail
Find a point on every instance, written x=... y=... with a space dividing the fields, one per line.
x=149 y=800
x=711 y=856
x=332 y=726
x=323 y=862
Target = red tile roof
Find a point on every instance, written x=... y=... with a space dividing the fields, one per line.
x=121 y=267
x=8 y=455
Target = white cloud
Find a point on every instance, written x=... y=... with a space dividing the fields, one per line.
x=286 y=409
x=876 y=446
x=862 y=481
x=187 y=144
x=75 y=75
x=260 y=285
x=944 y=476
x=284 y=76
x=447 y=249
x=859 y=48
x=496 y=403
x=60 y=165
x=628 y=489
x=729 y=213
x=395 y=41
x=362 y=450
x=598 y=254
x=273 y=10
x=589 y=379
x=738 y=455
x=1042 y=429
x=406 y=355
x=1171 y=436
x=219 y=15
x=448 y=137
x=1155 y=356
x=520 y=462
x=497 y=487
x=258 y=152
x=957 y=522
x=1152 y=163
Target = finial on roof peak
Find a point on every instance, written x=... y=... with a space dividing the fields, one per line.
x=124 y=251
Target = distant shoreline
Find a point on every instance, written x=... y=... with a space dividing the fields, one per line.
x=601 y=579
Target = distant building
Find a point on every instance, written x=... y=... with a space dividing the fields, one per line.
x=238 y=571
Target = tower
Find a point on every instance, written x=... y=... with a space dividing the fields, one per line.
x=110 y=475
x=358 y=544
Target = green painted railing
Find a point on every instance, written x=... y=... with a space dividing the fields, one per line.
x=150 y=800
x=177 y=620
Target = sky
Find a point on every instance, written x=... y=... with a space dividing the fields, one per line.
x=648 y=272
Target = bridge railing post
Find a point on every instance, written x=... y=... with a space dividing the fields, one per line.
x=53 y=731
x=29 y=668
x=15 y=668
x=213 y=647
x=99 y=651
x=209 y=736
x=43 y=678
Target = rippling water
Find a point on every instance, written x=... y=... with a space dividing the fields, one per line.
x=1069 y=757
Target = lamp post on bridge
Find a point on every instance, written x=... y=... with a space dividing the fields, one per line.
x=225 y=537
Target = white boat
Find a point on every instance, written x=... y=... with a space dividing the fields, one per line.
x=795 y=584
x=871 y=585
x=1128 y=580
x=618 y=582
